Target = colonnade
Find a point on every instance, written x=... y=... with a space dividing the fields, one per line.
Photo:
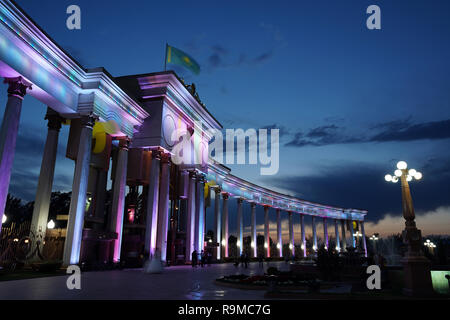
x=221 y=229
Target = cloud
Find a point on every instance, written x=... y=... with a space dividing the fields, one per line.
x=399 y=130
x=436 y=222
x=428 y=130
x=321 y=136
x=359 y=185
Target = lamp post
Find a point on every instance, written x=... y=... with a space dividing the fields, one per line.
x=374 y=239
x=430 y=245
x=416 y=268
x=357 y=234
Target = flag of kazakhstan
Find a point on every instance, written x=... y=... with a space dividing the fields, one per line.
x=176 y=56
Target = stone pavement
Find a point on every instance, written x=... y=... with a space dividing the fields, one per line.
x=179 y=282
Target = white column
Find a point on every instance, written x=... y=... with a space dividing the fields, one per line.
x=190 y=221
x=344 y=240
x=44 y=189
x=151 y=223
x=8 y=135
x=291 y=234
x=217 y=221
x=163 y=204
x=225 y=225
x=75 y=224
x=240 y=236
x=352 y=234
x=325 y=232
x=279 y=235
x=253 y=229
x=363 y=238
x=200 y=214
x=336 y=231
x=266 y=231
x=118 y=199
x=314 y=234
x=302 y=223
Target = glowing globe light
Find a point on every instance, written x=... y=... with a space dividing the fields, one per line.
x=412 y=172
x=418 y=175
x=398 y=172
x=278 y=246
x=290 y=246
x=388 y=178
x=265 y=245
x=238 y=243
x=51 y=224
x=252 y=244
x=4 y=218
x=223 y=242
x=408 y=178
x=394 y=179
x=402 y=165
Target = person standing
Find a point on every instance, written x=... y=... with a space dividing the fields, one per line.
x=202 y=258
x=194 y=258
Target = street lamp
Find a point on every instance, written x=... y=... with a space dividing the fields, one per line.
x=4 y=218
x=430 y=245
x=416 y=267
x=374 y=238
x=357 y=234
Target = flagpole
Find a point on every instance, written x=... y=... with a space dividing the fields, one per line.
x=165 y=58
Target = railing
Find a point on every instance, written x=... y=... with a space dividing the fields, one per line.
x=16 y=245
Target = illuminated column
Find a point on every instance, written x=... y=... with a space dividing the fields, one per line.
x=291 y=234
x=163 y=204
x=8 y=134
x=363 y=238
x=200 y=214
x=302 y=222
x=225 y=225
x=240 y=226
x=352 y=234
x=279 y=235
x=314 y=234
x=344 y=240
x=325 y=232
x=336 y=231
x=75 y=224
x=45 y=183
x=217 y=221
x=118 y=199
x=266 y=231
x=190 y=221
x=151 y=222
x=253 y=227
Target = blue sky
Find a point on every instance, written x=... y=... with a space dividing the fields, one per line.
x=350 y=102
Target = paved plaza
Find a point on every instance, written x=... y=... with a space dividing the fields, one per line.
x=180 y=282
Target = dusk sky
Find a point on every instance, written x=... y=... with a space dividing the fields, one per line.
x=349 y=102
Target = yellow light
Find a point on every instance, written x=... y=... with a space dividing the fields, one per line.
x=412 y=172
x=388 y=177
x=4 y=218
x=238 y=243
x=253 y=244
x=278 y=246
x=265 y=245
x=398 y=172
x=290 y=246
x=223 y=242
x=418 y=175
x=402 y=165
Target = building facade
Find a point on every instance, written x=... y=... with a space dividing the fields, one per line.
x=122 y=129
